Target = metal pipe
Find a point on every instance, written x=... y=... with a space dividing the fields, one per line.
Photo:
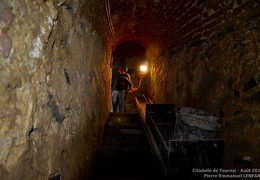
x=140 y=82
x=109 y=20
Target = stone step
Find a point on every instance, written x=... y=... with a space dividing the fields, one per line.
x=125 y=170
x=119 y=131
x=124 y=117
x=132 y=140
x=123 y=153
x=116 y=124
x=135 y=114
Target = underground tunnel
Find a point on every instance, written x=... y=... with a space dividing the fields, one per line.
x=57 y=61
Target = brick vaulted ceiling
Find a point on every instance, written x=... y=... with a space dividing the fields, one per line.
x=170 y=24
x=164 y=22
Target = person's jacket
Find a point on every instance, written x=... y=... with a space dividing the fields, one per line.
x=122 y=82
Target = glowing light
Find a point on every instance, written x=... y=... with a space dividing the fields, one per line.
x=143 y=68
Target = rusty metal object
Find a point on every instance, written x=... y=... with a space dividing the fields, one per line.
x=177 y=157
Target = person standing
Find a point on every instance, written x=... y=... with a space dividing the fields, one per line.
x=119 y=94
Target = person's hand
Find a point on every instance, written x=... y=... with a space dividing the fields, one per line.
x=133 y=90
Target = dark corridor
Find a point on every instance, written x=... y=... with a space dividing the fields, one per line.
x=56 y=67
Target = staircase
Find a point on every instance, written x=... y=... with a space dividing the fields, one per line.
x=125 y=153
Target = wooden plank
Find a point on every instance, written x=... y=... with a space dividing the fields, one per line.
x=141 y=106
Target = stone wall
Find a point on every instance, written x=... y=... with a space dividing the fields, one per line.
x=198 y=20
x=220 y=74
x=53 y=97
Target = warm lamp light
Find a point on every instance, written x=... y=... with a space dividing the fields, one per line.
x=143 y=68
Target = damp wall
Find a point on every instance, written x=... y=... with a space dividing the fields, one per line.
x=221 y=74
x=54 y=100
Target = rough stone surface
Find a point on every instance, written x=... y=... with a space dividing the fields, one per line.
x=220 y=75
x=6 y=18
x=53 y=99
x=55 y=60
